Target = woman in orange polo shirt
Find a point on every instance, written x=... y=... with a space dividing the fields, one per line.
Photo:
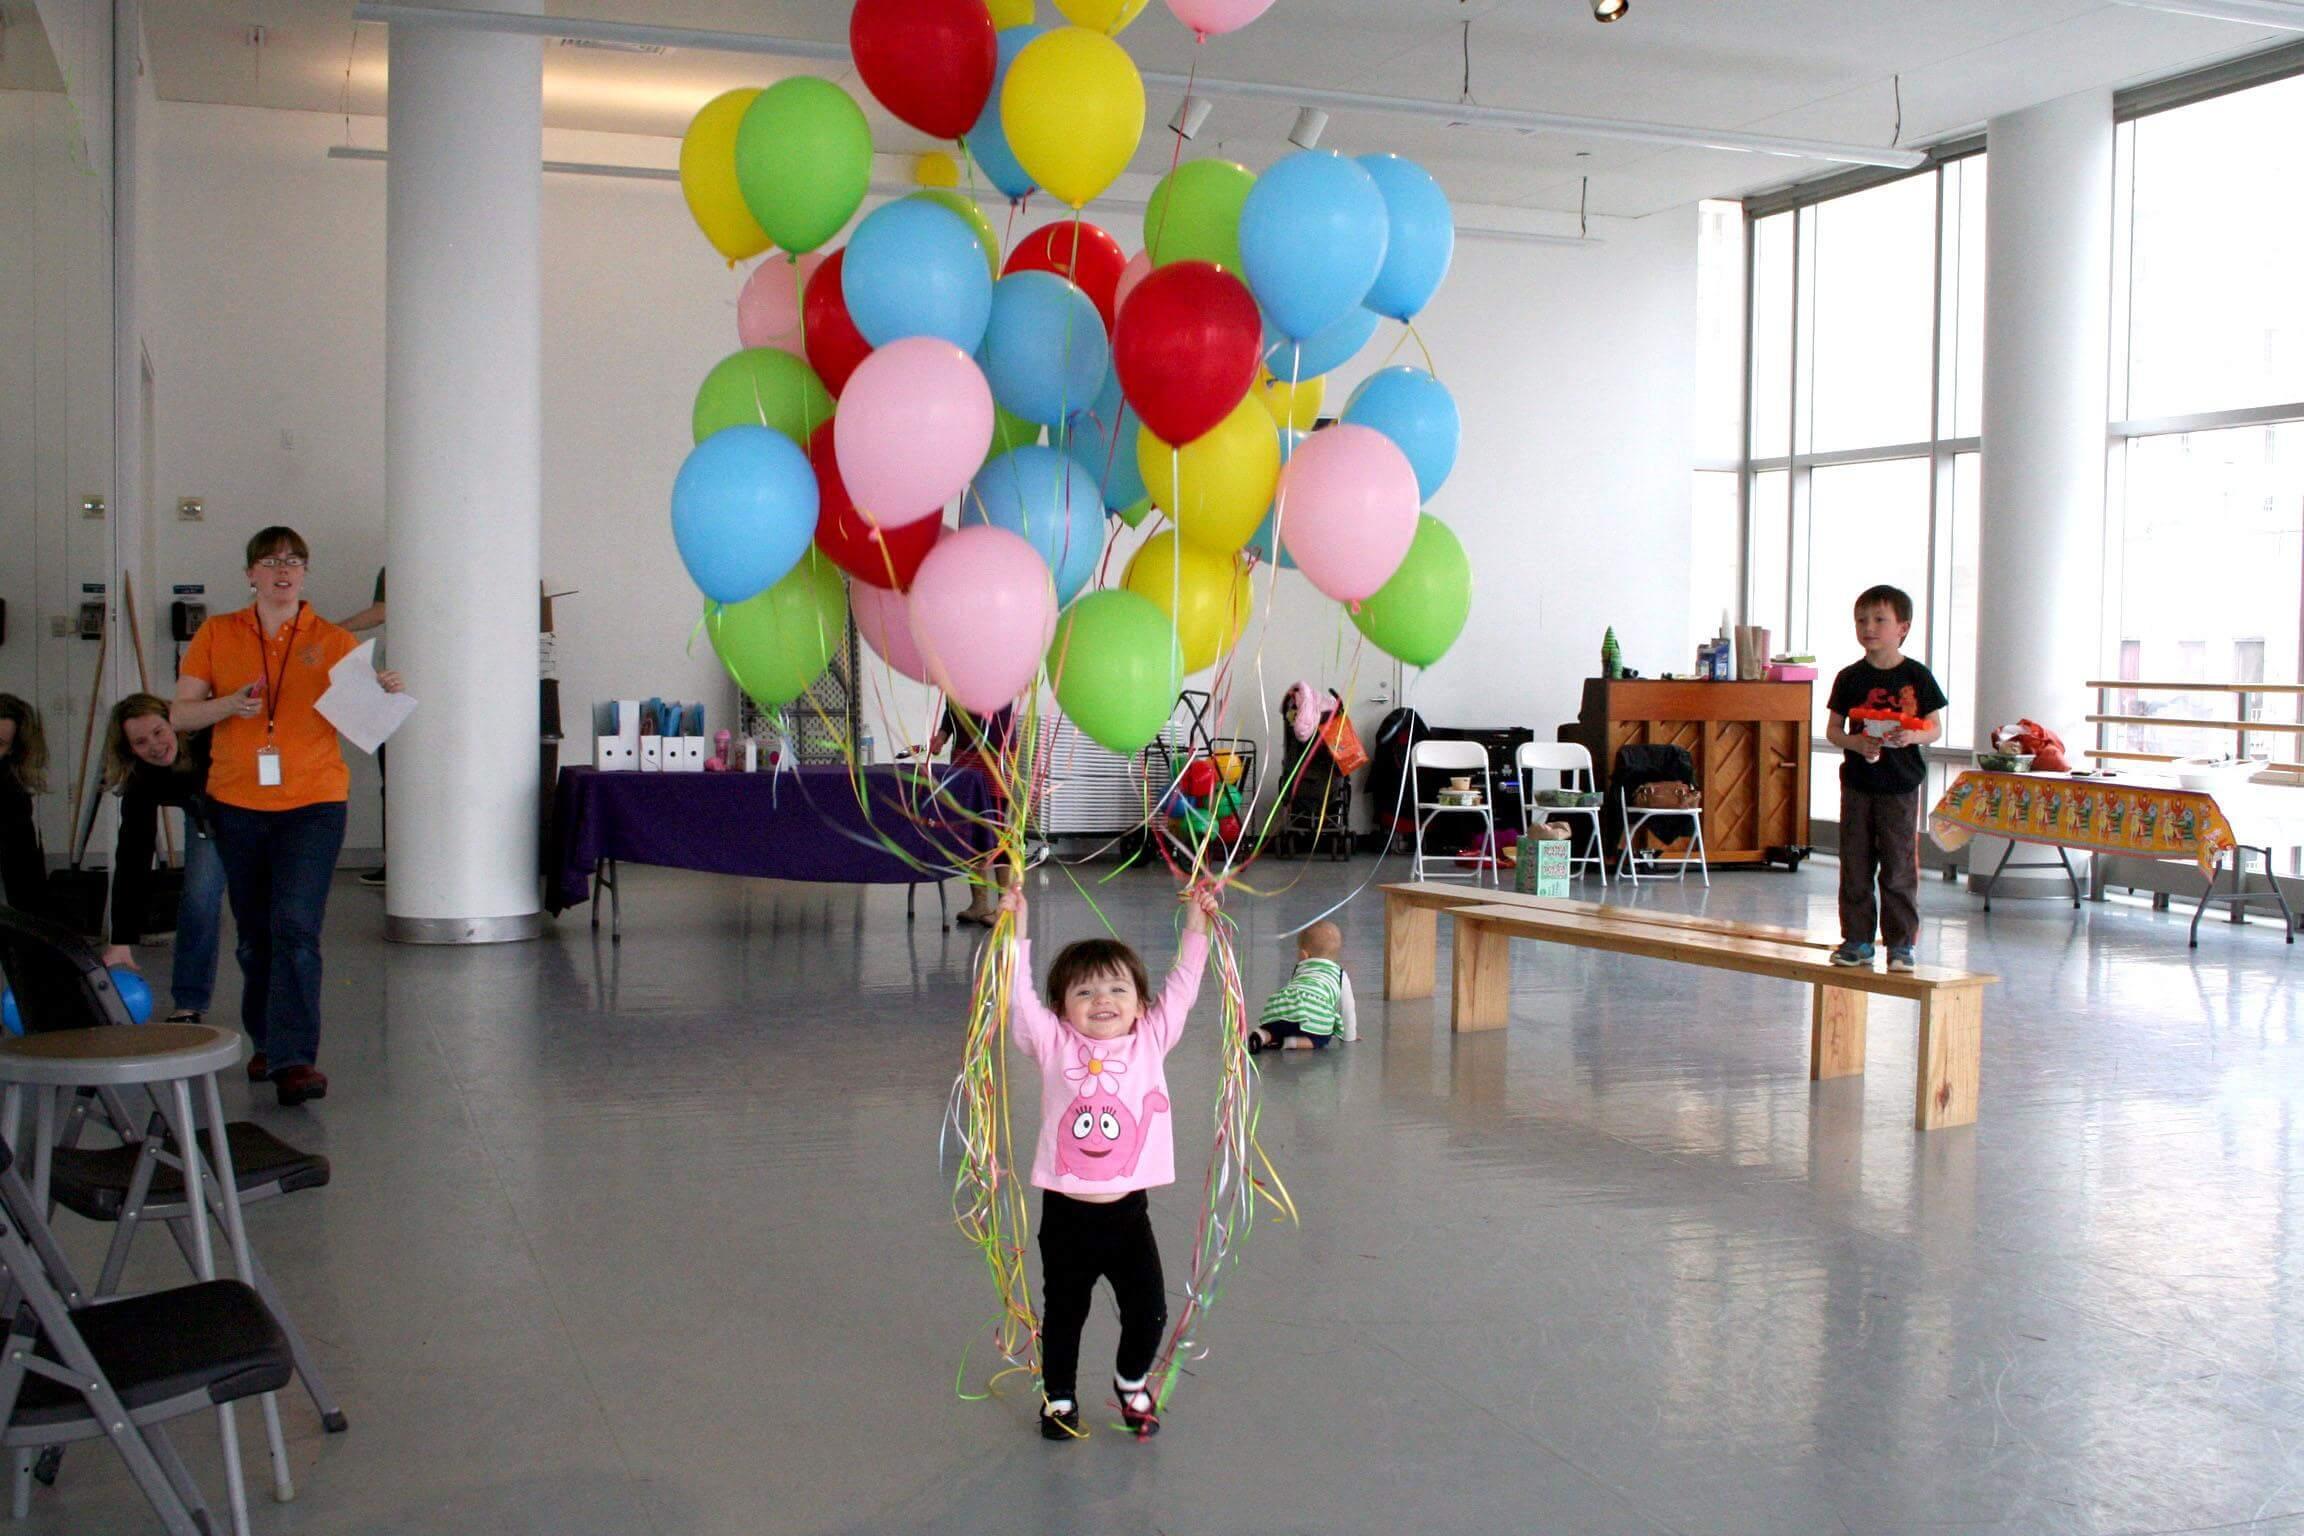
x=277 y=783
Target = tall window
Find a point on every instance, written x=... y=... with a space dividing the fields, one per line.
x=1867 y=314
x=2204 y=559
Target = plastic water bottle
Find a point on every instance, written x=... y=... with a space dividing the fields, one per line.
x=864 y=748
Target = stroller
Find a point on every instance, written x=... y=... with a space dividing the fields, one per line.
x=1317 y=810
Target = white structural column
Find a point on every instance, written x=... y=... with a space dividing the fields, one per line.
x=463 y=471
x=2047 y=319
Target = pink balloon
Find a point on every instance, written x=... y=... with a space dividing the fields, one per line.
x=983 y=612
x=1139 y=267
x=914 y=424
x=1348 y=509
x=884 y=618
x=768 y=306
x=1211 y=18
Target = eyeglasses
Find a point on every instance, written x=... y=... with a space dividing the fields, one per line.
x=282 y=562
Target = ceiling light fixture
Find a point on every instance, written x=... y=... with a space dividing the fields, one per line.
x=1311 y=122
x=1610 y=10
x=1191 y=112
x=2277 y=14
x=1505 y=119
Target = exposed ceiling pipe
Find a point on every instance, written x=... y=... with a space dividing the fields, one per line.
x=1506 y=119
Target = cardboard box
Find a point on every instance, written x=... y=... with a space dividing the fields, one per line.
x=613 y=754
x=651 y=754
x=1543 y=867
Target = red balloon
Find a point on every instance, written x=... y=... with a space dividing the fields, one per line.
x=930 y=62
x=883 y=557
x=834 y=344
x=1185 y=347
x=1199 y=779
x=1087 y=257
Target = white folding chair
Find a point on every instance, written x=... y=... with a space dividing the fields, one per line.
x=1571 y=768
x=1636 y=819
x=1467 y=758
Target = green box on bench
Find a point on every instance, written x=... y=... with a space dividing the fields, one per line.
x=1543 y=867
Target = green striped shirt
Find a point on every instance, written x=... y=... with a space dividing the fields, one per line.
x=1312 y=999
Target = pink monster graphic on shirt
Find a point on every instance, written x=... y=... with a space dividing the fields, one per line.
x=1099 y=1138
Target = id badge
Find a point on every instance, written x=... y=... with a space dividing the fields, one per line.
x=268 y=767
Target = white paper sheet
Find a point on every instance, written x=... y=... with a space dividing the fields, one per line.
x=357 y=704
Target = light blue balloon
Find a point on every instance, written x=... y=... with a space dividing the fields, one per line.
x=1322 y=352
x=10 y=1019
x=1050 y=499
x=1312 y=239
x=1265 y=543
x=1045 y=354
x=135 y=994
x=1103 y=438
x=1416 y=411
x=914 y=268
x=988 y=141
x=743 y=511
x=1422 y=237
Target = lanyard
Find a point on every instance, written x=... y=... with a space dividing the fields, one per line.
x=272 y=687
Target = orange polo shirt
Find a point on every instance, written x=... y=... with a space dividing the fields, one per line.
x=230 y=652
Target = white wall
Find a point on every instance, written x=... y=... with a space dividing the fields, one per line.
x=1573 y=368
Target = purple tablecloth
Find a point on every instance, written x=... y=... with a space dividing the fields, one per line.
x=802 y=824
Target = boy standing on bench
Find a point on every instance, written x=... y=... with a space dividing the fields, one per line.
x=1883 y=709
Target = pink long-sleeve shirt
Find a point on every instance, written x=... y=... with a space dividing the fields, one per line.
x=1104 y=1112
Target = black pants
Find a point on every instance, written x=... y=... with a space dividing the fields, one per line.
x=1080 y=1240
x=1880 y=835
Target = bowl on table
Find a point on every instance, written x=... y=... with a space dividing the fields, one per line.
x=2212 y=775
x=2004 y=762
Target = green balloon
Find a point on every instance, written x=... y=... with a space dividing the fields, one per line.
x=945 y=197
x=1419 y=613
x=803 y=161
x=1135 y=512
x=1194 y=214
x=779 y=642
x=1116 y=667
x=1010 y=432
x=762 y=387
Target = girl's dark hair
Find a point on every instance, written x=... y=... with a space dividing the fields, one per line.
x=1084 y=958
x=119 y=761
x=277 y=540
x=27 y=760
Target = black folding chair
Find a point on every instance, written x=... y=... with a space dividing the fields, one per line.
x=117 y=1370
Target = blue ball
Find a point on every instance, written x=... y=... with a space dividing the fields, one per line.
x=1416 y=411
x=744 y=510
x=988 y=141
x=1421 y=237
x=1103 y=438
x=914 y=268
x=1051 y=500
x=1323 y=352
x=9 y=1017
x=1045 y=354
x=135 y=994
x=1313 y=233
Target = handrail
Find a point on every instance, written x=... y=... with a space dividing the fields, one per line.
x=2136 y=687
x=2244 y=727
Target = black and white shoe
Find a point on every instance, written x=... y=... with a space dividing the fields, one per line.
x=1061 y=1422
x=1137 y=1409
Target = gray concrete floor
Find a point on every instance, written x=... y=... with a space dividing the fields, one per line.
x=652 y=1238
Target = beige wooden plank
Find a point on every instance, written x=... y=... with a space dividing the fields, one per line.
x=1482 y=958
x=1443 y=897
x=1411 y=947
x=1836 y=1033
x=1951 y=1059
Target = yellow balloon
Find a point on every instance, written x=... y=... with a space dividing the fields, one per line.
x=1011 y=13
x=1106 y=16
x=1217 y=487
x=1297 y=405
x=936 y=169
x=708 y=178
x=1205 y=594
x=1073 y=110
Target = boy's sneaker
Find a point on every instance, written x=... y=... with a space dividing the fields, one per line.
x=1061 y=1424
x=1851 y=954
x=1900 y=958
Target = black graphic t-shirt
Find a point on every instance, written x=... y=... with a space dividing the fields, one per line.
x=1908 y=688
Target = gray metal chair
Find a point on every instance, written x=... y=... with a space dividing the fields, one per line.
x=1571 y=768
x=1457 y=757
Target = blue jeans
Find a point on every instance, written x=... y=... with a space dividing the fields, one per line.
x=278 y=865
x=199 y=922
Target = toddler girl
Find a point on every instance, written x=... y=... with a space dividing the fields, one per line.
x=1100 y=1040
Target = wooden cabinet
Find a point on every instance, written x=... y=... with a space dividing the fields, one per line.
x=1750 y=745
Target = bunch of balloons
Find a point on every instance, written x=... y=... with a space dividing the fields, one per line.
x=1054 y=387
x=1205 y=800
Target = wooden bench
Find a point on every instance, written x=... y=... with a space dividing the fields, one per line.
x=1485 y=923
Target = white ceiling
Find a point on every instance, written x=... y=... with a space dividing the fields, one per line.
x=1819 y=69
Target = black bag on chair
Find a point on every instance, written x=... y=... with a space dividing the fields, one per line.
x=1638 y=765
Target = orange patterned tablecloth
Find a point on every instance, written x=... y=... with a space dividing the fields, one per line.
x=2152 y=821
